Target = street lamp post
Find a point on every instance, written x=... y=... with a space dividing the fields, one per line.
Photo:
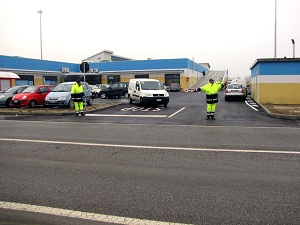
x=41 y=43
x=275 y=33
x=293 y=41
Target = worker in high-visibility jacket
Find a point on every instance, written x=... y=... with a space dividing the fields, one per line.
x=77 y=96
x=211 y=89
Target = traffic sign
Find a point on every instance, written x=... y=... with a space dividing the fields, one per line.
x=84 y=67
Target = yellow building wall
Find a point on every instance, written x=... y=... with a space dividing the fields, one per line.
x=277 y=93
x=38 y=80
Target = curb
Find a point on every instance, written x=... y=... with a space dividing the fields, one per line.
x=53 y=112
x=278 y=116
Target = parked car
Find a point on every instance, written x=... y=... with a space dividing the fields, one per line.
x=117 y=89
x=97 y=88
x=6 y=96
x=175 y=87
x=61 y=95
x=32 y=96
x=94 y=93
x=236 y=91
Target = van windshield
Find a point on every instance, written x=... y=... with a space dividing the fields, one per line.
x=152 y=85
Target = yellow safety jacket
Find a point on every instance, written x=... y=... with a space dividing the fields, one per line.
x=211 y=91
x=77 y=93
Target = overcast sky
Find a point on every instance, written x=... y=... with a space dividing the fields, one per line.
x=228 y=34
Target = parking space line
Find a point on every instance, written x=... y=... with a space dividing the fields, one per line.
x=112 y=115
x=176 y=112
x=251 y=106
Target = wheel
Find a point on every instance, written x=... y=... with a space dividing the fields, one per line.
x=166 y=104
x=71 y=104
x=90 y=102
x=103 y=95
x=126 y=95
x=8 y=103
x=226 y=99
x=130 y=100
x=32 y=104
x=142 y=101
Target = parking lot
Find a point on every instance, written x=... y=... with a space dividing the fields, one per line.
x=183 y=109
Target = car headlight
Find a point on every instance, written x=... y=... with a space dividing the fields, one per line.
x=2 y=96
x=62 y=98
x=166 y=94
x=24 y=97
x=148 y=94
x=47 y=98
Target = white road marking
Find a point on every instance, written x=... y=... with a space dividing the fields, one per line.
x=176 y=112
x=251 y=106
x=79 y=214
x=112 y=115
x=153 y=147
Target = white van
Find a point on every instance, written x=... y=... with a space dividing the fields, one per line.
x=147 y=91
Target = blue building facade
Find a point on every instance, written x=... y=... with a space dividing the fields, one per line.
x=35 y=71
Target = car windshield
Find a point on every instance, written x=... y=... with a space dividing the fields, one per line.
x=63 y=88
x=152 y=85
x=30 y=89
x=11 y=90
x=235 y=86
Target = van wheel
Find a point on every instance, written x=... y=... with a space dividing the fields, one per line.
x=142 y=101
x=166 y=104
x=32 y=104
x=130 y=100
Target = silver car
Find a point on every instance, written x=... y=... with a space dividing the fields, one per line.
x=61 y=95
x=235 y=91
x=6 y=96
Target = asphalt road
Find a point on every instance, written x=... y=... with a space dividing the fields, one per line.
x=152 y=164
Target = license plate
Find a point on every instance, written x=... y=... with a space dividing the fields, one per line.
x=158 y=100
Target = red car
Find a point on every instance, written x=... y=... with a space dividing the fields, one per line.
x=32 y=96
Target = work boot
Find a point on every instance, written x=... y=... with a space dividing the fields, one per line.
x=76 y=113
x=208 y=117
x=212 y=117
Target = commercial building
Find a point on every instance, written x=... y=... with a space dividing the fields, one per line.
x=104 y=67
x=276 y=81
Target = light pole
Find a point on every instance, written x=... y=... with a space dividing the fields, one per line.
x=40 y=12
x=275 y=38
x=293 y=41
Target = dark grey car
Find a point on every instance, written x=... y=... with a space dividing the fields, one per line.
x=6 y=96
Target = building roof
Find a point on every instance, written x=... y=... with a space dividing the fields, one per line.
x=274 y=60
x=117 y=57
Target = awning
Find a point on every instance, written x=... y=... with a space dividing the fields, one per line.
x=9 y=75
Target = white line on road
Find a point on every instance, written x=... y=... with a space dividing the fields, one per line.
x=251 y=106
x=176 y=112
x=154 y=147
x=111 y=115
x=79 y=214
